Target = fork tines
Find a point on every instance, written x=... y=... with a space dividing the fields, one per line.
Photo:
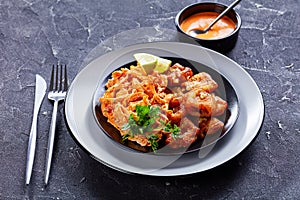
x=59 y=75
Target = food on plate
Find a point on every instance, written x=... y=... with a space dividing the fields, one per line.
x=170 y=107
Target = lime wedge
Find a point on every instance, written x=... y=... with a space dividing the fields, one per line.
x=146 y=61
x=151 y=62
x=162 y=65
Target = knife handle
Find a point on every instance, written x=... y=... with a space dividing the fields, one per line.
x=31 y=148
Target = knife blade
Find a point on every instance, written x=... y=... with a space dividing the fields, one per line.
x=40 y=91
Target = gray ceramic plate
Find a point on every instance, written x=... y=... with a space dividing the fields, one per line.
x=85 y=130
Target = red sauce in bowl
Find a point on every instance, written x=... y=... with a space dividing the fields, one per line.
x=224 y=27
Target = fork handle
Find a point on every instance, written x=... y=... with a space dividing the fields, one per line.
x=51 y=142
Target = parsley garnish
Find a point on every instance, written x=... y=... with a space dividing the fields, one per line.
x=131 y=125
x=125 y=137
x=146 y=116
x=143 y=123
x=153 y=141
x=175 y=130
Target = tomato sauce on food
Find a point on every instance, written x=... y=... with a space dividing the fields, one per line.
x=221 y=29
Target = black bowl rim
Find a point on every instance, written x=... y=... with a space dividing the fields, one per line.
x=236 y=30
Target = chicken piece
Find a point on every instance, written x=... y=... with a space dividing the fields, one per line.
x=203 y=104
x=175 y=102
x=210 y=126
x=178 y=74
x=201 y=81
x=174 y=117
x=188 y=135
x=160 y=81
x=220 y=106
x=178 y=91
x=176 y=110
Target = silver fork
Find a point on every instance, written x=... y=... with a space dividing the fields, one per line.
x=57 y=92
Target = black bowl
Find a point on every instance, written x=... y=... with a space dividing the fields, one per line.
x=222 y=45
x=225 y=91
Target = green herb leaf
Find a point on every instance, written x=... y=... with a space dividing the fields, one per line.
x=174 y=130
x=154 y=112
x=125 y=137
x=125 y=127
x=142 y=111
x=153 y=142
x=146 y=116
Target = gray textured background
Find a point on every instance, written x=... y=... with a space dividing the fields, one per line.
x=34 y=34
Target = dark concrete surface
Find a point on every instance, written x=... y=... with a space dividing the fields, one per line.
x=34 y=34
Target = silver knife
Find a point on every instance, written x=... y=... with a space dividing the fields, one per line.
x=40 y=91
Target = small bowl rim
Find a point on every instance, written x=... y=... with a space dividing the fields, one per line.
x=238 y=19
